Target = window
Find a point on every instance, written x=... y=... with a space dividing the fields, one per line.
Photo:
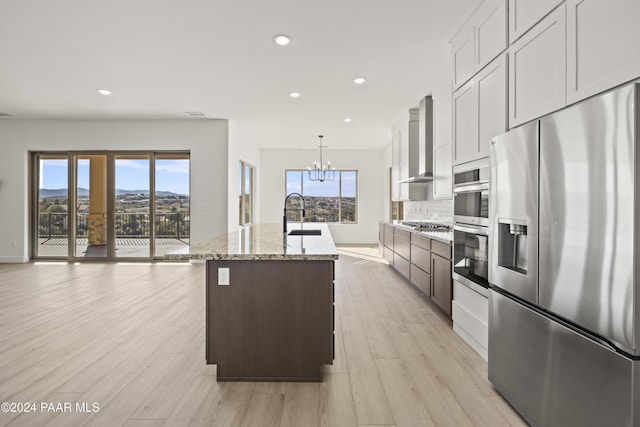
x=245 y=191
x=329 y=201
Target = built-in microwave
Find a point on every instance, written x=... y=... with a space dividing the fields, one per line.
x=471 y=194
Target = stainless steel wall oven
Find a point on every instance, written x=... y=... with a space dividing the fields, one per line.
x=471 y=225
x=470 y=255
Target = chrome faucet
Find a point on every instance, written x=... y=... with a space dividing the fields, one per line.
x=284 y=218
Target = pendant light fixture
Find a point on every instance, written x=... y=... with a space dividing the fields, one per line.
x=321 y=172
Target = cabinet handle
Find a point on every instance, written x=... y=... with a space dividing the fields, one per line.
x=433 y=278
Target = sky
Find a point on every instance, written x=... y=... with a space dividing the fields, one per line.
x=131 y=174
x=326 y=188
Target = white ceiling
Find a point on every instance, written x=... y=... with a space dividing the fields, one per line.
x=162 y=58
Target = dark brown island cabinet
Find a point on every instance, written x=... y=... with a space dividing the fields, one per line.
x=269 y=303
x=275 y=323
x=423 y=261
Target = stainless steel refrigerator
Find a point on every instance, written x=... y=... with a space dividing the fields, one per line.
x=564 y=299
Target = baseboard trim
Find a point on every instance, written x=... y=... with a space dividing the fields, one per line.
x=14 y=259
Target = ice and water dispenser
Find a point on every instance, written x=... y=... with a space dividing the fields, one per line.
x=512 y=245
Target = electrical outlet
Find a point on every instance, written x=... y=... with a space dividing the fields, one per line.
x=223 y=276
x=14 y=243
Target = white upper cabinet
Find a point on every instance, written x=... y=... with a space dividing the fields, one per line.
x=602 y=45
x=465 y=119
x=442 y=172
x=442 y=147
x=524 y=14
x=491 y=31
x=537 y=70
x=395 y=164
x=463 y=53
x=403 y=139
x=480 y=112
x=491 y=85
x=479 y=40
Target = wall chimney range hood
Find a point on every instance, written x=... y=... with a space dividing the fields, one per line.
x=421 y=149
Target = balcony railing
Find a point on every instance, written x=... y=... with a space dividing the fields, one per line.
x=173 y=225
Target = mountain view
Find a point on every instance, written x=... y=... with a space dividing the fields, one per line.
x=46 y=193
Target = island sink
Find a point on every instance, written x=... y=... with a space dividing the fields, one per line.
x=304 y=232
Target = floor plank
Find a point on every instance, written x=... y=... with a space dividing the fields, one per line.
x=130 y=337
x=299 y=401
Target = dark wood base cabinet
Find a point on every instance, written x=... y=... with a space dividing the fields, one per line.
x=273 y=322
x=441 y=284
x=425 y=262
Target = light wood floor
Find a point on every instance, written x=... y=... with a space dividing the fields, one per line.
x=130 y=337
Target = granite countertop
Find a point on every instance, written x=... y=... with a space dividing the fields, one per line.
x=442 y=236
x=263 y=242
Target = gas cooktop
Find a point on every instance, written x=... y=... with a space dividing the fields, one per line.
x=427 y=226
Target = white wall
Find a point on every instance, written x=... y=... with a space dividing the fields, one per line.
x=207 y=140
x=242 y=148
x=370 y=188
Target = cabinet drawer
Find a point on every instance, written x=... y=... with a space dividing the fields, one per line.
x=388 y=236
x=387 y=254
x=421 y=240
x=401 y=247
x=421 y=280
x=402 y=234
x=442 y=249
x=421 y=258
x=402 y=265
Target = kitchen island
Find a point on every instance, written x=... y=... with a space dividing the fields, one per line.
x=269 y=302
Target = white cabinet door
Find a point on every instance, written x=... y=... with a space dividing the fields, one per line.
x=491 y=84
x=465 y=123
x=462 y=50
x=395 y=165
x=442 y=97
x=602 y=45
x=404 y=161
x=479 y=41
x=442 y=146
x=524 y=14
x=480 y=112
x=442 y=172
x=491 y=31
x=537 y=70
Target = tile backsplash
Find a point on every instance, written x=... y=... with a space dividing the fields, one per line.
x=439 y=210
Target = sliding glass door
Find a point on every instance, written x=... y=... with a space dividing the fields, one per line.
x=132 y=206
x=91 y=207
x=51 y=206
x=172 y=203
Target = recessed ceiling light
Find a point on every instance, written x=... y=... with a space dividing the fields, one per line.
x=359 y=80
x=347 y=120
x=282 y=39
x=294 y=94
x=105 y=92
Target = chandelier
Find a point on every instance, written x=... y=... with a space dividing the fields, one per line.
x=320 y=171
